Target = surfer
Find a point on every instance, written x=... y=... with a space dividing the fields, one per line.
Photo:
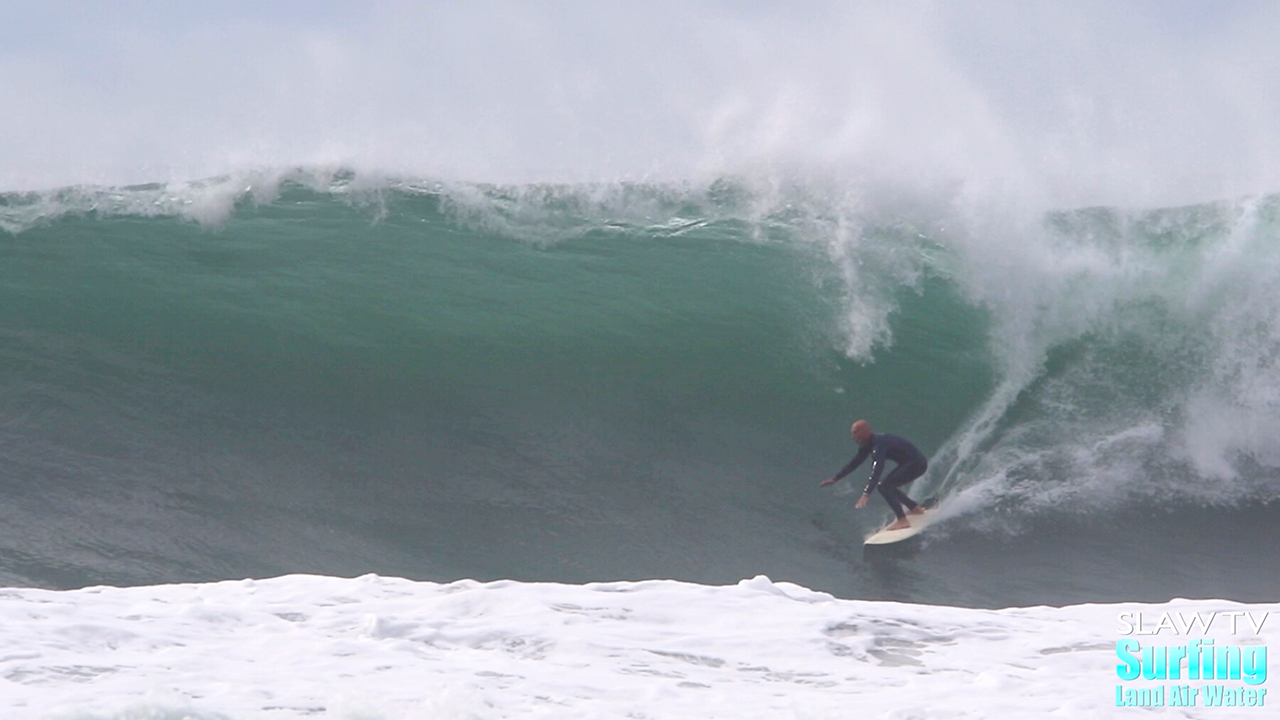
x=881 y=447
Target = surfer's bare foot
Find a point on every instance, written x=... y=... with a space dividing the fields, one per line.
x=899 y=525
x=917 y=510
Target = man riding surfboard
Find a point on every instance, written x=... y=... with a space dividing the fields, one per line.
x=911 y=464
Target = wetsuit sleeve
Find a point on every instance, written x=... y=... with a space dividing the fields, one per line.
x=877 y=467
x=855 y=462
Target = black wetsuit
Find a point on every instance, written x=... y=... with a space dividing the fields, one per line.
x=911 y=465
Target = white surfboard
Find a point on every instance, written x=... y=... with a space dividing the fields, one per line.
x=884 y=536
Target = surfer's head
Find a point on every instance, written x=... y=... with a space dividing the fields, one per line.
x=861 y=432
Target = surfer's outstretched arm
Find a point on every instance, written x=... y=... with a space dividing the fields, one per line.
x=850 y=466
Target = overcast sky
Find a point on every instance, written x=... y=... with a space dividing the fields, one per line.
x=1086 y=101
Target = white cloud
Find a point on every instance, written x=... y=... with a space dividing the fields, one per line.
x=1071 y=104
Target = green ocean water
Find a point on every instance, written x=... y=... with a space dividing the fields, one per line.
x=578 y=383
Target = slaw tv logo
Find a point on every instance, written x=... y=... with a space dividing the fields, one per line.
x=1151 y=665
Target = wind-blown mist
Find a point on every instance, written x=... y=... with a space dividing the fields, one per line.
x=1061 y=106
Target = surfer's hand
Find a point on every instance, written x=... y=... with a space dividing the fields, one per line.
x=828 y=481
x=862 y=502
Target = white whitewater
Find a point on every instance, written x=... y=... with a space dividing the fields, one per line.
x=377 y=648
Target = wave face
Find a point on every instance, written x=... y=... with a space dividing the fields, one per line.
x=313 y=371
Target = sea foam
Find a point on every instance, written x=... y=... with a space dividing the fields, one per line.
x=379 y=647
